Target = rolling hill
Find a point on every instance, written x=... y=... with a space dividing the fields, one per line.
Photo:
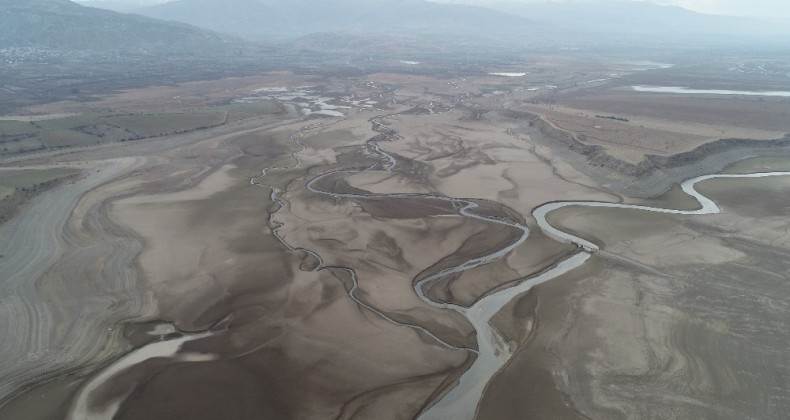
x=275 y=19
x=66 y=26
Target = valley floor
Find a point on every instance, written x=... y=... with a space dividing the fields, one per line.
x=315 y=258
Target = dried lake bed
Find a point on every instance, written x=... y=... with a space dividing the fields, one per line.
x=426 y=249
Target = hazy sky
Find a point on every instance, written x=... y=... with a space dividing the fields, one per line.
x=772 y=9
x=762 y=8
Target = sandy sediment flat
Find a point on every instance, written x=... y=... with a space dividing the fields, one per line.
x=66 y=261
x=386 y=254
x=728 y=113
x=533 y=384
x=641 y=135
x=30 y=118
x=760 y=164
x=475 y=159
x=702 y=340
x=208 y=257
x=537 y=253
x=295 y=299
x=38 y=263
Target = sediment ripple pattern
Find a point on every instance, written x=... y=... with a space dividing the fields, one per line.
x=36 y=299
x=462 y=401
x=493 y=352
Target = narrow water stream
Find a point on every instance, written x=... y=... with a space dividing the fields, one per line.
x=462 y=402
x=493 y=352
x=82 y=408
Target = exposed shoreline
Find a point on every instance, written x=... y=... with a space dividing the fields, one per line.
x=349 y=257
x=654 y=175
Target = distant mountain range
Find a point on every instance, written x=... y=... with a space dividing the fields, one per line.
x=630 y=17
x=572 y=20
x=193 y=27
x=278 y=19
x=64 y=25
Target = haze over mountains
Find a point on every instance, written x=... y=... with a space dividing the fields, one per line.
x=631 y=17
x=62 y=24
x=273 y=19
x=534 y=24
x=66 y=26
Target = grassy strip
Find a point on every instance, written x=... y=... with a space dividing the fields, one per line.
x=102 y=127
x=18 y=186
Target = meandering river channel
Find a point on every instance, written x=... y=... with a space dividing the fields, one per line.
x=492 y=351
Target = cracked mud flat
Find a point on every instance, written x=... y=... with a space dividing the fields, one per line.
x=356 y=277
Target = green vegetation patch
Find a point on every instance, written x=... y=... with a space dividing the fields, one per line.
x=66 y=138
x=30 y=178
x=16 y=128
x=92 y=128
x=240 y=111
x=5 y=192
x=151 y=125
x=66 y=123
x=20 y=185
x=612 y=117
x=102 y=127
